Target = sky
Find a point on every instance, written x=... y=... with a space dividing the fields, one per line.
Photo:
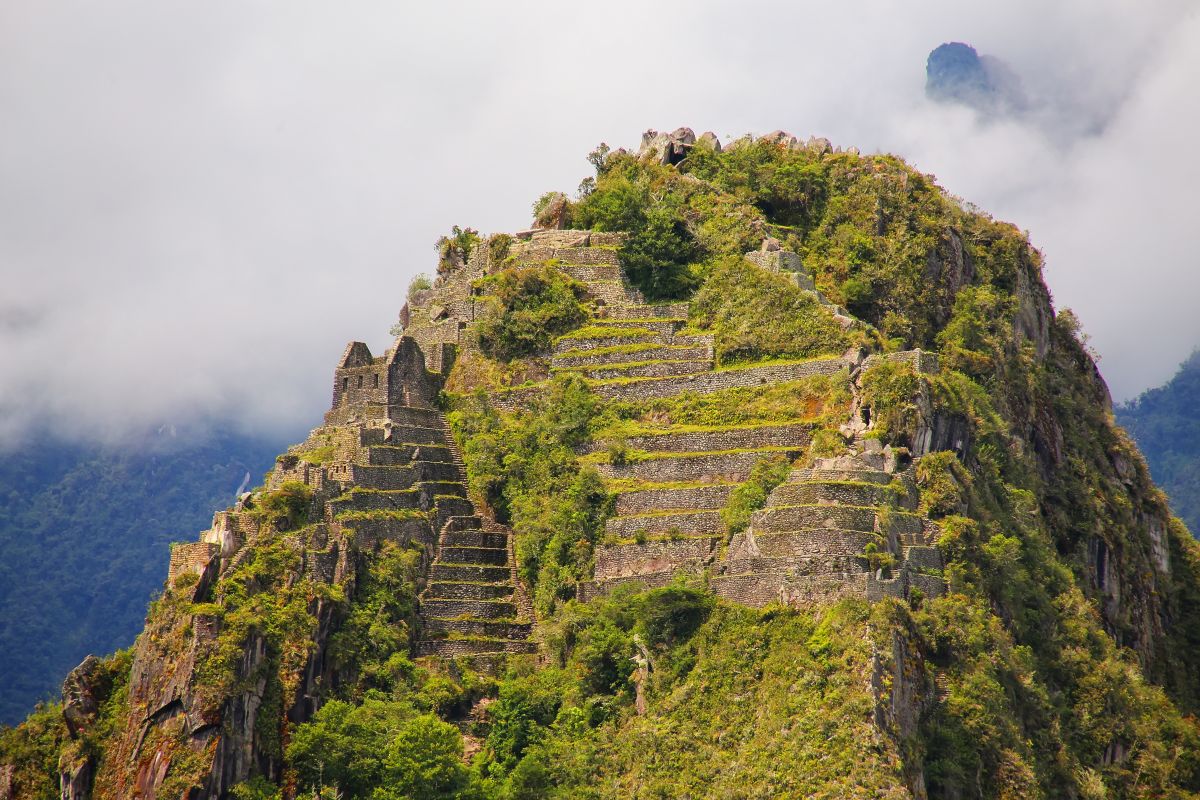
x=201 y=203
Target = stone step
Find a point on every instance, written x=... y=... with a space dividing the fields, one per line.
x=853 y=476
x=667 y=327
x=490 y=600
x=474 y=538
x=641 y=369
x=567 y=255
x=412 y=415
x=484 y=628
x=474 y=573
x=732 y=467
x=628 y=560
x=402 y=434
x=644 y=352
x=923 y=557
x=472 y=555
x=797 y=565
x=687 y=522
x=611 y=336
x=468 y=522
x=665 y=310
x=806 y=543
x=367 y=531
x=718 y=438
x=614 y=293
x=439 y=489
x=837 y=493
x=844 y=518
x=704 y=383
x=376 y=500
x=449 y=648
x=401 y=454
x=588 y=273
x=639 y=501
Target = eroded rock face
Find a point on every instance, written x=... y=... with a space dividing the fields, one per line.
x=80 y=705
x=7 y=791
x=667 y=148
x=553 y=215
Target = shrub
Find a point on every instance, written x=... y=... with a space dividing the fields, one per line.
x=498 y=246
x=285 y=508
x=454 y=250
x=528 y=309
x=658 y=254
x=419 y=283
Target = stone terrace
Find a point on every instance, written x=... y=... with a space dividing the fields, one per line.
x=824 y=531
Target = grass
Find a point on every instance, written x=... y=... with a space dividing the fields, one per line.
x=384 y=513
x=614 y=350
x=605 y=332
x=632 y=456
x=633 y=365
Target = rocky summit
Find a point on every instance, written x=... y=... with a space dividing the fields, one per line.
x=756 y=469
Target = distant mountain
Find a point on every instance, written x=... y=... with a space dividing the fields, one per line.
x=1167 y=429
x=83 y=544
x=956 y=73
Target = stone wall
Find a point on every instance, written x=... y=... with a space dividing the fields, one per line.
x=723 y=439
x=625 y=560
x=190 y=557
x=640 y=502
x=801 y=543
x=704 y=383
x=702 y=466
x=687 y=521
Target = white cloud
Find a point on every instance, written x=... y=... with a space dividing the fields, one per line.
x=200 y=205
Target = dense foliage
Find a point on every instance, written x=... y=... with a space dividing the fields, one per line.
x=83 y=539
x=1167 y=429
x=527 y=308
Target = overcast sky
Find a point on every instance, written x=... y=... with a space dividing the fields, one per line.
x=201 y=203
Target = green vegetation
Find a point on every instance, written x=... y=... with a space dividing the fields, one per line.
x=757 y=314
x=84 y=539
x=524 y=466
x=454 y=250
x=752 y=495
x=285 y=508
x=1167 y=429
x=419 y=283
x=527 y=309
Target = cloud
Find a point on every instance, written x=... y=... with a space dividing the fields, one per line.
x=200 y=205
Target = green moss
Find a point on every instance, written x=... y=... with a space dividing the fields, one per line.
x=607 y=332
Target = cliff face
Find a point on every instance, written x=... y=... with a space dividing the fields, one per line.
x=765 y=470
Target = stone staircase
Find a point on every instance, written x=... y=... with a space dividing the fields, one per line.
x=845 y=525
x=471 y=605
x=400 y=476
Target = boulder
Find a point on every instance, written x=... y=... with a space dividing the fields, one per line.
x=80 y=705
x=667 y=148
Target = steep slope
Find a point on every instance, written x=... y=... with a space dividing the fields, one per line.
x=1164 y=423
x=772 y=472
x=82 y=532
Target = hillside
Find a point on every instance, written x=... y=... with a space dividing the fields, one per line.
x=83 y=532
x=1163 y=421
x=755 y=470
